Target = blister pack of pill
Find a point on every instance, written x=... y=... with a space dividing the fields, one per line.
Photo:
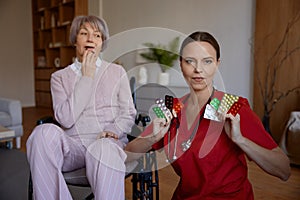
x=216 y=107
x=161 y=110
x=227 y=101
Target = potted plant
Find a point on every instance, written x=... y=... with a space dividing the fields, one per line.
x=164 y=56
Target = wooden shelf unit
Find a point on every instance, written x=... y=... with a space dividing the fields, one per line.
x=51 y=21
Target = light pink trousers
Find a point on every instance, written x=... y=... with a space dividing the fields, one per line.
x=50 y=152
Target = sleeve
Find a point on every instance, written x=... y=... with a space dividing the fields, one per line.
x=126 y=115
x=68 y=102
x=252 y=127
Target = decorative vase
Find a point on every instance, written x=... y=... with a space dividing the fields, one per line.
x=266 y=123
x=57 y=62
x=164 y=78
x=143 y=76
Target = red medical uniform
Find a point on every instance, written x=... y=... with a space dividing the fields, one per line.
x=213 y=167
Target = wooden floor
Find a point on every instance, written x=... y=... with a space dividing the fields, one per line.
x=265 y=186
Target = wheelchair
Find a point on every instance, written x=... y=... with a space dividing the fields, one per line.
x=144 y=178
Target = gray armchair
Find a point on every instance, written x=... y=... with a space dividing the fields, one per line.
x=11 y=117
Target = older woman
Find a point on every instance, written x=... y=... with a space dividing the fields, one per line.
x=208 y=149
x=92 y=102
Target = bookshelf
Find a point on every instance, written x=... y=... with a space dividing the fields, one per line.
x=51 y=21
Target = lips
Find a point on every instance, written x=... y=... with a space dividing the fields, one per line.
x=88 y=47
x=198 y=79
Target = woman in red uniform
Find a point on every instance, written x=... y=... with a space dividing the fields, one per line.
x=209 y=153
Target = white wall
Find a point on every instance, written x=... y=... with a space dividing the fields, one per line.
x=16 y=52
x=230 y=21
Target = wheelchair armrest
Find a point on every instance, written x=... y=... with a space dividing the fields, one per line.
x=46 y=119
x=136 y=130
x=143 y=118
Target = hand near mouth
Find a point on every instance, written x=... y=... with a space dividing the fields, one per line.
x=89 y=61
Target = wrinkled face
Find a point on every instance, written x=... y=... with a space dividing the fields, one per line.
x=199 y=64
x=88 y=39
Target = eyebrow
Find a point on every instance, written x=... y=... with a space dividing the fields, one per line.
x=194 y=59
x=209 y=57
x=189 y=58
x=83 y=27
x=93 y=28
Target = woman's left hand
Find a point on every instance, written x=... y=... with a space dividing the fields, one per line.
x=273 y=161
x=232 y=127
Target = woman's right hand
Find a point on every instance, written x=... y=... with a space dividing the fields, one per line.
x=89 y=63
x=160 y=128
x=140 y=145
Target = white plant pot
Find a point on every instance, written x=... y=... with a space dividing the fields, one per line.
x=163 y=78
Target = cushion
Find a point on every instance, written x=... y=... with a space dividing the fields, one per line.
x=290 y=140
x=76 y=177
x=5 y=119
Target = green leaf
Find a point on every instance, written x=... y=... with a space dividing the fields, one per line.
x=163 y=55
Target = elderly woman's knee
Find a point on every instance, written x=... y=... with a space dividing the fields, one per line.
x=43 y=132
x=107 y=152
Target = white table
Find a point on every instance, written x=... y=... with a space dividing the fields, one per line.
x=7 y=135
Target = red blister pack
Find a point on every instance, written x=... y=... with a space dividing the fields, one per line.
x=234 y=109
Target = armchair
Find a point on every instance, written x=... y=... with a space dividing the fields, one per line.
x=11 y=117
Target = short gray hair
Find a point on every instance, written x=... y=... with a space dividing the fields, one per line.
x=97 y=22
